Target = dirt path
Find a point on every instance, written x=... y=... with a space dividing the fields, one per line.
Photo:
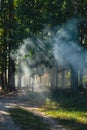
x=54 y=125
x=6 y=122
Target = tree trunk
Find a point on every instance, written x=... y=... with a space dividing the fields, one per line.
x=53 y=74
x=74 y=79
x=19 y=85
x=11 y=75
x=11 y=64
x=3 y=47
x=81 y=76
x=63 y=78
x=2 y=81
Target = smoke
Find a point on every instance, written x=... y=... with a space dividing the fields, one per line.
x=66 y=46
x=36 y=55
x=29 y=59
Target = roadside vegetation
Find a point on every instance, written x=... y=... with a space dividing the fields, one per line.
x=69 y=108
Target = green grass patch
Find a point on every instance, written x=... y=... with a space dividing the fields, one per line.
x=69 y=108
x=27 y=120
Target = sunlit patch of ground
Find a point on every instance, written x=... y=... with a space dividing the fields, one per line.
x=3 y=112
x=30 y=101
x=6 y=122
x=69 y=109
x=28 y=120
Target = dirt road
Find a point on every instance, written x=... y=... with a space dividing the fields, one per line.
x=6 y=122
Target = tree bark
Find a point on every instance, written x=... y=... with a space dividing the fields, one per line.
x=63 y=78
x=74 y=79
x=11 y=64
x=3 y=47
x=53 y=74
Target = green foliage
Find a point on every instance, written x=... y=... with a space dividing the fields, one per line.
x=20 y=19
x=69 y=108
x=35 y=13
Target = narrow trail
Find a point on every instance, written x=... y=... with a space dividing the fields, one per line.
x=54 y=125
x=6 y=122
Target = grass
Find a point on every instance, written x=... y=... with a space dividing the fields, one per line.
x=27 y=120
x=69 y=108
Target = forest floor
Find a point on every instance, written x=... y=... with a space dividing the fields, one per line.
x=27 y=101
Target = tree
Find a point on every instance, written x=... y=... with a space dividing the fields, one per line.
x=11 y=64
x=49 y=14
x=3 y=43
x=23 y=19
x=80 y=12
x=7 y=24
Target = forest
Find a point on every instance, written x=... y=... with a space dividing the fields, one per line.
x=43 y=64
x=43 y=37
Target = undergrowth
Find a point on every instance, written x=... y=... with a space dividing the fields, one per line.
x=69 y=108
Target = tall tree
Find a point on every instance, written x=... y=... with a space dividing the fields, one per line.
x=11 y=64
x=22 y=19
x=3 y=44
